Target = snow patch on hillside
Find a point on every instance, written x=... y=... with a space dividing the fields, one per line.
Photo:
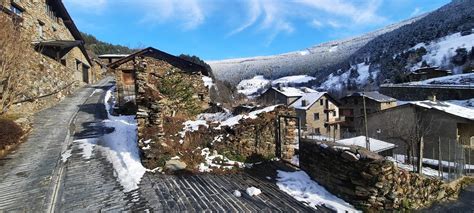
x=336 y=82
x=452 y=80
x=252 y=86
x=440 y=51
x=294 y=79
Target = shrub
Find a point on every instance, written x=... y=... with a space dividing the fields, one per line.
x=10 y=133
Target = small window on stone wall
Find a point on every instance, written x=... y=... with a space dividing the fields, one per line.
x=63 y=62
x=201 y=96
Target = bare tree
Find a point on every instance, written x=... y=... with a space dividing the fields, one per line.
x=409 y=128
x=14 y=53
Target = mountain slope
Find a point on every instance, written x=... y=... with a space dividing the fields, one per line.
x=374 y=56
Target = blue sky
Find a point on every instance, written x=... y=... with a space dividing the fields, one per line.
x=222 y=29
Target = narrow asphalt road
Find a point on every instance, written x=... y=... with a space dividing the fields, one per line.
x=50 y=172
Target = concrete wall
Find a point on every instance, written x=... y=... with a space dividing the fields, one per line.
x=366 y=180
x=414 y=93
x=399 y=125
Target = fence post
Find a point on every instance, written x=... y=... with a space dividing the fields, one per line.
x=449 y=159
x=420 y=156
x=440 y=160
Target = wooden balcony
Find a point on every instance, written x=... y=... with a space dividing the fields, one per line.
x=336 y=121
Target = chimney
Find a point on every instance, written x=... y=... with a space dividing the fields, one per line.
x=432 y=98
x=303 y=103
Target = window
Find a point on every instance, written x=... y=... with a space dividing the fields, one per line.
x=201 y=97
x=334 y=113
x=336 y=127
x=356 y=102
x=321 y=102
x=316 y=116
x=40 y=29
x=17 y=10
x=78 y=65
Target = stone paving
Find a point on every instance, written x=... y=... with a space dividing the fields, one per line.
x=35 y=179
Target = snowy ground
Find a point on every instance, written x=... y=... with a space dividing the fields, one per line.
x=252 y=87
x=452 y=80
x=337 y=81
x=216 y=161
x=426 y=171
x=121 y=148
x=300 y=186
x=441 y=50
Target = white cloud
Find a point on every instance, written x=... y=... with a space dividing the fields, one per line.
x=278 y=16
x=188 y=12
x=316 y=24
x=416 y=11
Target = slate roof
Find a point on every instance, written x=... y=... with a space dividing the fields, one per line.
x=374 y=95
x=453 y=109
x=310 y=99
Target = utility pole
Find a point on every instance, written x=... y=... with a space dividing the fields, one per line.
x=367 y=142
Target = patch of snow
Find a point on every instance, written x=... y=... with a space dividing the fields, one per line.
x=121 y=147
x=425 y=170
x=295 y=160
x=87 y=146
x=269 y=178
x=252 y=115
x=209 y=164
x=251 y=86
x=65 y=155
x=451 y=80
x=207 y=82
x=214 y=117
x=375 y=145
x=464 y=103
x=294 y=79
x=300 y=186
x=237 y=193
x=253 y=191
x=440 y=51
x=304 y=52
x=191 y=126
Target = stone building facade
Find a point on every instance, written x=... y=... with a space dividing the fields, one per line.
x=60 y=62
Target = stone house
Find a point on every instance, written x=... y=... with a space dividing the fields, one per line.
x=437 y=121
x=134 y=72
x=352 y=108
x=319 y=114
x=427 y=73
x=53 y=34
x=282 y=95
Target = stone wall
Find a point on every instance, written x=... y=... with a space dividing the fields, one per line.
x=419 y=93
x=258 y=137
x=367 y=180
x=48 y=83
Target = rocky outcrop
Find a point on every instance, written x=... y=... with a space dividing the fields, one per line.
x=367 y=180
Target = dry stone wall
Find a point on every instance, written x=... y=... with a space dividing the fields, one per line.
x=367 y=180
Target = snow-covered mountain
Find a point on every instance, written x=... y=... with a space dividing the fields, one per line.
x=441 y=38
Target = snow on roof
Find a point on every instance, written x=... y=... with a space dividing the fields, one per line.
x=309 y=98
x=252 y=115
x=293 y=91
x=450 y=108
x=375 y=145
x=294 y=79
x=376 y=96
